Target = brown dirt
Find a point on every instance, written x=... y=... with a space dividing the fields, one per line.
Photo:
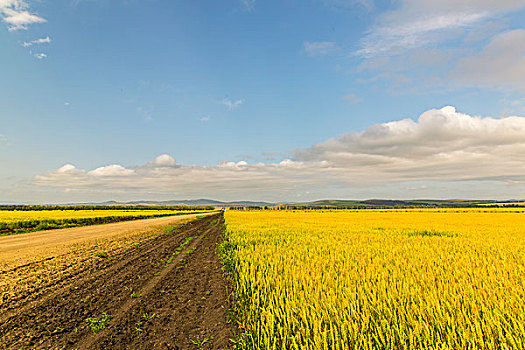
x=180 y=285
x=27 y=247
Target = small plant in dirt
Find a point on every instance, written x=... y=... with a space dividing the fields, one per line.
x=98 y=324
x=188 y=240
x=199 y=342
x=148 y=317
x=191 y=250
x=135 y=295
x=101 y=254
x=166 y=261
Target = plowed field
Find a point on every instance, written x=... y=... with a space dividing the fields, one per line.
x=162 y=289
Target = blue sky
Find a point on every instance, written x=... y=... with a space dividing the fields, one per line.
x=270 y=100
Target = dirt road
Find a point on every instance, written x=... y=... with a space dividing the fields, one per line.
x=24 y=248
x=165 y=292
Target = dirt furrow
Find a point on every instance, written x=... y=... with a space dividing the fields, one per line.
x=170 y=262
x=128 y=284
x=88 y=272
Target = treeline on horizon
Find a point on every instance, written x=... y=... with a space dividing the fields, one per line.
x=24 y=207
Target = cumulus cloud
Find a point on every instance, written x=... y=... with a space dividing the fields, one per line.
x=441 y=146
x=318 y=48
x=111 y=170
x=231 y=105
x=67 y=172
x=164 y=160
x=501 y=63
x=15 y=13
x=416 y=23
x=226 y=178
x=45 y=40
x=69 y=169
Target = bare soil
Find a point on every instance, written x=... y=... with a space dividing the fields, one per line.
x=28 y=247
x=166 y=291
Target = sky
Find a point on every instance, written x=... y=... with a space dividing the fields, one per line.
x=278 y=101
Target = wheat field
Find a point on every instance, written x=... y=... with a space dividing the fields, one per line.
x=390 y=279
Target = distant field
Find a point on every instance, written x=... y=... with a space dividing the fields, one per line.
x=387 y=279
x=14 y=221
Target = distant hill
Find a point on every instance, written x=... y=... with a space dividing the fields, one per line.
x=327 y=203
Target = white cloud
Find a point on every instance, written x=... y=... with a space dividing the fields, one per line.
x=232 y=165
x=501 y=63
x=318 y=48
x=45 y=40
x=353 y=99
x=248 y=5
x=232 y=104
x=441 y=144
x=290 y=164
x=15 y=13
x=40 y=55
x=205 y=119
x=435 y=151
x=67 y=104
x=164 y=160
x=69 y=169
x=3 y=138
x=416 y=23
x=111 y=170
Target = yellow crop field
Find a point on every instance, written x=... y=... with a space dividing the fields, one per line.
x=418 y=279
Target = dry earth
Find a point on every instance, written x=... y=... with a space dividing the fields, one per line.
x=163 y=288
x=24 y=248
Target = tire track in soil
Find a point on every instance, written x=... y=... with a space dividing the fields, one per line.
x=69 y=281
x=58 y=321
